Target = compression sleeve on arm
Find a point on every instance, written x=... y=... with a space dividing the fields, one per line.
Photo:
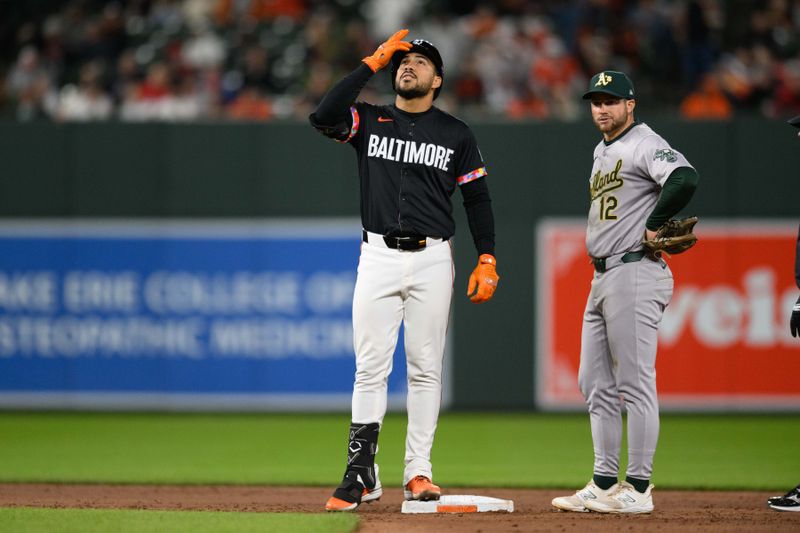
x=334 y=109
x=478 y=205
x=675 y=195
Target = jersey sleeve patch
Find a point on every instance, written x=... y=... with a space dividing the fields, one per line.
x=354 y=128
x=471 y=176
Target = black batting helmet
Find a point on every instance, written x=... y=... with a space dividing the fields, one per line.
x=423 y=47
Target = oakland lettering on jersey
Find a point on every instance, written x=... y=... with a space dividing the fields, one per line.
x=428 y=154
x=602 y=183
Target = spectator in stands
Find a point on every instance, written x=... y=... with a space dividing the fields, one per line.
x=88 y=100
x=707 y=102
x=786 y=100
x=249 y=105
x=29 y=85
x=149 y=100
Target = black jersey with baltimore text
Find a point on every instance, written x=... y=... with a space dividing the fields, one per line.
x=410 y=165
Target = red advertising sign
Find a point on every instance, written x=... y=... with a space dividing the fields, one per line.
x=724 y=340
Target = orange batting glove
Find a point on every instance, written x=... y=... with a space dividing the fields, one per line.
x=385 y=51
x=485 y=278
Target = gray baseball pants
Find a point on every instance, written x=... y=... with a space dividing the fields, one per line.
x=618 y=362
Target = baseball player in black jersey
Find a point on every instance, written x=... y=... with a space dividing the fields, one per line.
x=411 y=158
x=791 y=500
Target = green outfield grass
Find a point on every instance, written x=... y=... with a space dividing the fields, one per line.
x=26 y=520
x=499 y=450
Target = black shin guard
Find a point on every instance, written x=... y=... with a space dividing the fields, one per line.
x=360 y=473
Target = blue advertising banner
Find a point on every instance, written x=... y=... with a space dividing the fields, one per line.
x=180 y=315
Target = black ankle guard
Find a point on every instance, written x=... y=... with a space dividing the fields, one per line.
x=361 y=449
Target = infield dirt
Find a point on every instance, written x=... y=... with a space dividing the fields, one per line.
x=675 y=510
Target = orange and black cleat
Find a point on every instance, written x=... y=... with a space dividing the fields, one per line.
x=421 y=488
x=351 y=493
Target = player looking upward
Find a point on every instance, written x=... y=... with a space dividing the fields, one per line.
x=411 y=158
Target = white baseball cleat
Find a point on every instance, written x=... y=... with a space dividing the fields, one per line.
x=577 y=502
x=625 y=500
x=788 y=502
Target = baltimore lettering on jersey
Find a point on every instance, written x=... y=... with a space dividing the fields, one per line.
x=428 y=154
x=602 y=183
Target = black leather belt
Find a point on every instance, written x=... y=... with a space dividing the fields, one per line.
x=630 y=257
x=405 y=242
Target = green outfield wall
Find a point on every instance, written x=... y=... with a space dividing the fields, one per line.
x=748 y=168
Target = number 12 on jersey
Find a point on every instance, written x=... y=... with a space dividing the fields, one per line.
x=608 y=204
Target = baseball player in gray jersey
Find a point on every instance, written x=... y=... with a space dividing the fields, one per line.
x=638 y=182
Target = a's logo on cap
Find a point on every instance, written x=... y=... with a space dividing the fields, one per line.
x=420 y=41
x=604 y=79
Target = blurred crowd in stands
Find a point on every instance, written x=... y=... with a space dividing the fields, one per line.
x=257 y=60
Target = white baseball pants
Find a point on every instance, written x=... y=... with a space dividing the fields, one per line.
x=414 y=288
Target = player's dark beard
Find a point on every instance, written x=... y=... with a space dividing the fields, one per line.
x=417 y=91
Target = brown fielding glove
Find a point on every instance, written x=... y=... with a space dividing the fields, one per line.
x=485 y=277
x=674 y=237
x=385 y=51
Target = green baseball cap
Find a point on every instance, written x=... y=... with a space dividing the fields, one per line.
x=611 y=82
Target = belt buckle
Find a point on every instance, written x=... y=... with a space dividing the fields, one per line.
x=407 y=244
x=410 y=244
